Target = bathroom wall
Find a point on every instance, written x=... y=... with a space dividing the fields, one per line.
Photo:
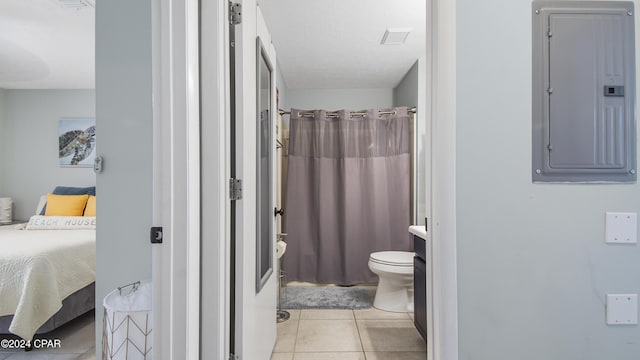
x=406 y=92
x=282 y=90
x=410 y=92
x=337 y=99
x=29 y=153
x=533 y=268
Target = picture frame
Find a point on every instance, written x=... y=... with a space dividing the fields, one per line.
x=76 y=142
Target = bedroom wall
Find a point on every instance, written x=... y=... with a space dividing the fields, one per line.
x=29 y=158
x=533 y=268
x=3 y=142
x=124 y=120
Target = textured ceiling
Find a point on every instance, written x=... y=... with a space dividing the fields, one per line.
x=44 y=46
x=336 y=43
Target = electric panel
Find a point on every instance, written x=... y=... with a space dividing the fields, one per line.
x=584 y=126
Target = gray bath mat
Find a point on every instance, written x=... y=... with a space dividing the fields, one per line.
x=299 y=297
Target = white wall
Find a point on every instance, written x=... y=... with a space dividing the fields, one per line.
x=3 y=141
x=410 y=92
x=337 y=99
x=406 y=93
x=29 y=155
x=282 y=90
x=124 y=122
x=533 y=269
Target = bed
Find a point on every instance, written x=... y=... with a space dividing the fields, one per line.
x=47 y=277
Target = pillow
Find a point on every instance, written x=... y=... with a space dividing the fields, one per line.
x=69 y=190
x=38 y=222
x=65 y=205
x=41 y=204
x=90 y=209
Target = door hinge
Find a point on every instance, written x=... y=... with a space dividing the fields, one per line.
x=549 y=147
x=235 y=13
x=235 y=189
x=156 y=235
x=549 y=33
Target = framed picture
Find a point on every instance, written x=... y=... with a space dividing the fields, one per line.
x=77 y=142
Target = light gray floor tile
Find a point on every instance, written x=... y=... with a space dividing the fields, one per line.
x=75 y=337
x=329 y=356
x=294 y=314
x=397 y=355
x=411 y=315
x=327 y=335
x=282 y=356
x=326 y=315
x=41 y=356
x=390 y=335
x=89 y=355
x=286 y=339
x=376 y=314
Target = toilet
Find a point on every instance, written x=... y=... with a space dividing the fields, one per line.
x=395 y=270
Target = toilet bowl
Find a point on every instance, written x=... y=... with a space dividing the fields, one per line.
x=395 y=270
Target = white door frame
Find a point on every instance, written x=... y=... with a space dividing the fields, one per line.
x=215 y=114
x=177 y=187
x=441 y=48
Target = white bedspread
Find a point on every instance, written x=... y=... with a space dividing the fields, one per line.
x=38 y=269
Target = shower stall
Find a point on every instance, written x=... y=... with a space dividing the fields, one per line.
x=348 y=191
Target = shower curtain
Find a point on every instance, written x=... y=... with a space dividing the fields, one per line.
x=347 y=193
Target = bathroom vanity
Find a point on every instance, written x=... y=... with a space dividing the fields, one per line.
x=420 y=239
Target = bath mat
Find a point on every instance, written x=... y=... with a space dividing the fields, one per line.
x=321 y=297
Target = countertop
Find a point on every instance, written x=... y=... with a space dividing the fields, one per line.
x=419 y=231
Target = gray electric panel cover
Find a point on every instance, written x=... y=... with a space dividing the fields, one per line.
x=584 y=121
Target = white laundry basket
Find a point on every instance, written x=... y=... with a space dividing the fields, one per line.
x=127 y=323
x=6 y=210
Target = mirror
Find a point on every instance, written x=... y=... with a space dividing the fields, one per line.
x=265 y=205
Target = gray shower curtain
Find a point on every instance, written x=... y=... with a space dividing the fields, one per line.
x=347 y=193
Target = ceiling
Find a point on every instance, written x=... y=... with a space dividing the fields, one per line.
x=46 y=46
x=320 y=44
x=336 y=43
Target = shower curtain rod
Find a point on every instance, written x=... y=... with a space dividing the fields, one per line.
x=335 y=113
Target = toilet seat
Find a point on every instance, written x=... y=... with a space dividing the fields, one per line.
x=393 y=258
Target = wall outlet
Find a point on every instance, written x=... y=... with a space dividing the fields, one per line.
x=622 y=309
x=621 y=228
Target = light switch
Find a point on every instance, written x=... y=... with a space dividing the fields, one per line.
x=621 y=228
x=622 y=309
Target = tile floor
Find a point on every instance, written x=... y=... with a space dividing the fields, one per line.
x=348 y=335
x=77 y=340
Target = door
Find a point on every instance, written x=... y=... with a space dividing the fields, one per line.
x=253 y=162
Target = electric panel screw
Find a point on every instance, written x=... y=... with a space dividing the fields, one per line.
x=632 y=171
x=629 y=13
x=538 y=171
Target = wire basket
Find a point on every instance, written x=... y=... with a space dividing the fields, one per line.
x=127 y=323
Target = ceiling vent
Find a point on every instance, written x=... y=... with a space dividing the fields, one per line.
x=395 y=36
x=76 y=4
